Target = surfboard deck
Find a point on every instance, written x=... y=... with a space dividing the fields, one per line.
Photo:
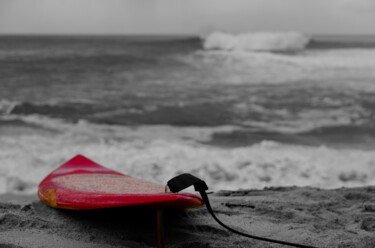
x=83 y=184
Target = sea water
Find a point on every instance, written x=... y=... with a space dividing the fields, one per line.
x=239 y=111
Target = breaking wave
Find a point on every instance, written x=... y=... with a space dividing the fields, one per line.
x=261 y=41
x=157 y=153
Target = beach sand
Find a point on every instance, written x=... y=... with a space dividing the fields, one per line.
x=342 y=217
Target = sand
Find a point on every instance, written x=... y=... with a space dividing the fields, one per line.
x=324 y=218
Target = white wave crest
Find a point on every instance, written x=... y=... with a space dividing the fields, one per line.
x=28 y=156
x=261 y=41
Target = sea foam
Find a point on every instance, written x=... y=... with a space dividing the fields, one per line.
x=339 y=68
x=261 y=41
x=158 y=153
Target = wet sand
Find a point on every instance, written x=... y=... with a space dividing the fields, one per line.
x=324 y=218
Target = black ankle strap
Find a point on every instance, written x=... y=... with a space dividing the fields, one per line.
x=184 y=181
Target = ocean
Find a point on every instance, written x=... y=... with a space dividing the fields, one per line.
x=248 y=111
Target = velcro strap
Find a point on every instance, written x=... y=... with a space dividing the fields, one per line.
x=184 y=181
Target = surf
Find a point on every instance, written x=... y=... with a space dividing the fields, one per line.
x=257 y=41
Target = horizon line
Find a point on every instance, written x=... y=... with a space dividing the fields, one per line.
x=161 y=35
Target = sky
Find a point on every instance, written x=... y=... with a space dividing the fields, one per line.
x=186 y=16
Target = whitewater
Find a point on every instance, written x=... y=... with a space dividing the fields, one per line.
x=158 y=153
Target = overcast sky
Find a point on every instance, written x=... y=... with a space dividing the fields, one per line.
x=186 y=16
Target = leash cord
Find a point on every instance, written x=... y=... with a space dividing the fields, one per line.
x=185 y=180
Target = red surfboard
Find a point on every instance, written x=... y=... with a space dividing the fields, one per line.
x=83 y=184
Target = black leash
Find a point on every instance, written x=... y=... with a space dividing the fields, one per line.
x=186 y=180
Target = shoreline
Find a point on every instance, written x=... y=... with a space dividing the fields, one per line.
x=342 y=217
